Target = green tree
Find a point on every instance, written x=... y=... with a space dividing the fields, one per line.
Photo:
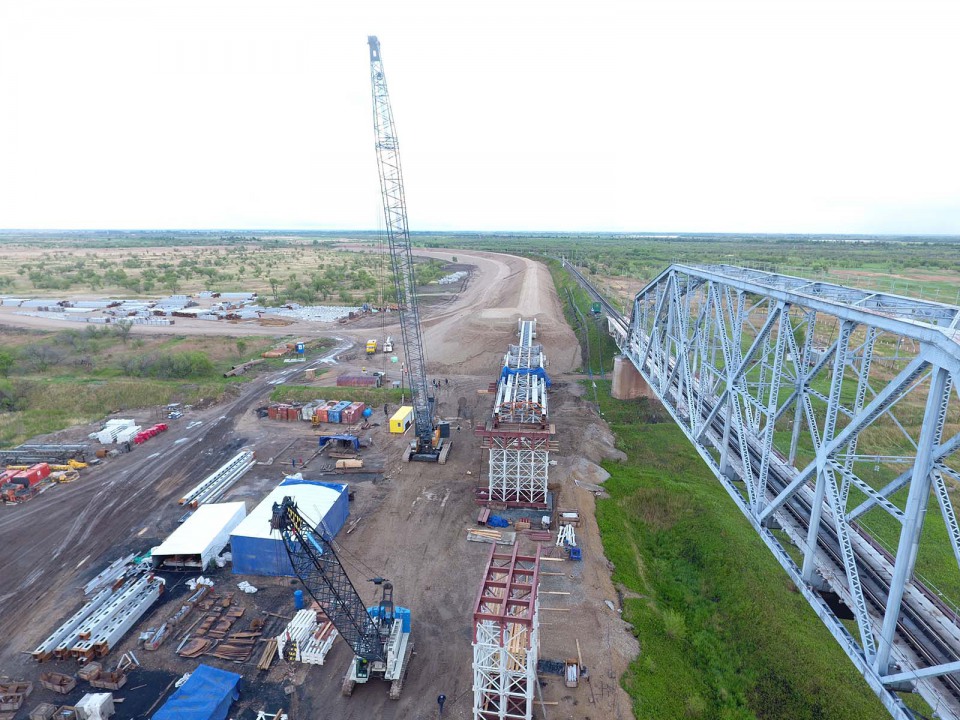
x=122 y=330
x=7 y=360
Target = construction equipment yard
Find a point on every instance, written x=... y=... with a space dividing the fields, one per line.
x=408 y=522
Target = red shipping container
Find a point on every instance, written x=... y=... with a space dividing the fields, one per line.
x=42 y=468
x=354 y=413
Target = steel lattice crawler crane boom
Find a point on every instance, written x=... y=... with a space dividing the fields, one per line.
x=379 y=636
x=429 y=445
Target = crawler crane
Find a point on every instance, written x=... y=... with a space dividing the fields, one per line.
x=432 y=443
x=379 y=636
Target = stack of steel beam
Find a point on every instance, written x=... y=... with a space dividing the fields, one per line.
x=100 y=624
x=216 y=484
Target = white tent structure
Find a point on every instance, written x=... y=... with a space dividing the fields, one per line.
x=257 y=550
x=201 y=537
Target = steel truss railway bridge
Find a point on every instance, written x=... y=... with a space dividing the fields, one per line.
x=831 y=416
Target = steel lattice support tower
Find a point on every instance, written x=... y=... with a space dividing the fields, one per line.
x=519 y=436
x=506 y=637
x=826 y=412
x=518 y=468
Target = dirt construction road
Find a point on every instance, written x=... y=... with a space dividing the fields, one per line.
x=412 y=525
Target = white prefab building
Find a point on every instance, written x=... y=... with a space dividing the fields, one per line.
x=201 y=538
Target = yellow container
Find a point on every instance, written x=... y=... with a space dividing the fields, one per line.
x=401 y=420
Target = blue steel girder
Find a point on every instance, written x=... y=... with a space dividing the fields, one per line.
x=813 y=412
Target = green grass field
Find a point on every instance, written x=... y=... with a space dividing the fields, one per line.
x=723 y=633
x=597 y=348
x=50 y=381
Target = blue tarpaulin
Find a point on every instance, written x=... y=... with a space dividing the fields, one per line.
x=206 y=695
x=350 y=439
x=525 y=371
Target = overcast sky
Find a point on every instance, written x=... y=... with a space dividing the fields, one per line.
x=714 y=115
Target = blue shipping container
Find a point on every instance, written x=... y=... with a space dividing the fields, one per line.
x=333 y=415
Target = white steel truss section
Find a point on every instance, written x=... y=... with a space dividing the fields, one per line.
x=506 y=637
x=522 y=388
x=521 y=399
x=831 y=414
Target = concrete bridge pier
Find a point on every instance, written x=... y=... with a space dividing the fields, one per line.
x=628 y=383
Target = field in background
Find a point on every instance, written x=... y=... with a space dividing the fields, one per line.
x=621 y=264
x=303 y=271
x=50 y=381
x=307 y=266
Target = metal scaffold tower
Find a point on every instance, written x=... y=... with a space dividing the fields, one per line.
x=506 y=637
x=831 y=416
x=519 y=437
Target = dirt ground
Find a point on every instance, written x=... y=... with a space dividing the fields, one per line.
x=412 y=524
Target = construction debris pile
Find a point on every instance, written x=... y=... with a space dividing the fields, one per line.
x=215 y=635
x=452 y=278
